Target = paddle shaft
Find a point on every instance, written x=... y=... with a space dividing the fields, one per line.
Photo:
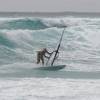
x=58 y=47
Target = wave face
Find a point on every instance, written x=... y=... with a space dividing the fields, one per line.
x=22 y=23
x=20 y=38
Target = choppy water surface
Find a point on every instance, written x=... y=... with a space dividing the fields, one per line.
x=21 y=37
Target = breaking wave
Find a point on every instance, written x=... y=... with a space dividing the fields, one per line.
x=20 y=38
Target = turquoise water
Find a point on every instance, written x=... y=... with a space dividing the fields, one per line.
x=22 y=37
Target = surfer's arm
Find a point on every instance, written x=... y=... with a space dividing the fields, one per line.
x=46 y=56
x=49 y=52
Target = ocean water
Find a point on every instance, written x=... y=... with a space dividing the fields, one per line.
x=20 y=39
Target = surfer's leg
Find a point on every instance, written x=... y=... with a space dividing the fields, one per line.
x=42 y=59
x=38 y=58
x=38 y=61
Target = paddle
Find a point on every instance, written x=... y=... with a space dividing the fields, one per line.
x=56 y=51
x=58 y=48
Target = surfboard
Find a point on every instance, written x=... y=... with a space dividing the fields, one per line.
x=52 y=68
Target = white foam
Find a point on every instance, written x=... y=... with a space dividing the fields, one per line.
x=49 y=89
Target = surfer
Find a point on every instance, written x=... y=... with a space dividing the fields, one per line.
x=41 y=54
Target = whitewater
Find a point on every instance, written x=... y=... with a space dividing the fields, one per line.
x=22 y=37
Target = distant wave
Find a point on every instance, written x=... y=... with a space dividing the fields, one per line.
x=43 y=23
x=23 y=24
